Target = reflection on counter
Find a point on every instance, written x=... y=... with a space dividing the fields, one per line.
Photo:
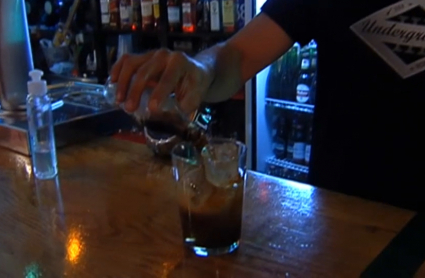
x=74 y=246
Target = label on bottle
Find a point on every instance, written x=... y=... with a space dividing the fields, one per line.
x=104 y=6
x=187 y=22
x=305 y=64
x=299 y=151
x=105 y=18
x=307 y=153
x=125 y=13
x=290 y=149
x=215 y=15
x=314 y=62
x=303 y=93
x=155 y=9
x=113 y=7
x=48 y=7
x=146 y=9
x=240 y=8
x=279 y=147
x=228 y=13
x=173 y=14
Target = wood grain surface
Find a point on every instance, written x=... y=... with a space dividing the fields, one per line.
x=112 y=213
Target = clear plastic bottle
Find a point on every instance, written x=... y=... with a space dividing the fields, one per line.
x=40 y=125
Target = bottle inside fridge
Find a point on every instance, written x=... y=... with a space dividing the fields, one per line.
x=286 y=93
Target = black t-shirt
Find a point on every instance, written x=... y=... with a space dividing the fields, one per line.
x=368 y=137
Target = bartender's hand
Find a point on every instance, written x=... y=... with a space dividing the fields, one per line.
x=166 y=72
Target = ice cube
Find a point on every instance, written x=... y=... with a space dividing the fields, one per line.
x=196 y=189
x=221 y=162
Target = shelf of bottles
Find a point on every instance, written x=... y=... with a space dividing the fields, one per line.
x=290 y=105
x=285 y=163
x=286 y=169
x=291 y=83
x=290 y=98
x=204 y=19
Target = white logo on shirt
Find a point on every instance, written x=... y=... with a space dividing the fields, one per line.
x=397 y=34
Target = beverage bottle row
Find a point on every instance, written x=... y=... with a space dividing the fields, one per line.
x=292 y=138
x=293 y=76
x=182 y=15
x=286 y=173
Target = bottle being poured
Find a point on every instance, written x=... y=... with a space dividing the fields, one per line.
x=169 y=120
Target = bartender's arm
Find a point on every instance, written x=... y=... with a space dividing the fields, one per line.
x=213 y=75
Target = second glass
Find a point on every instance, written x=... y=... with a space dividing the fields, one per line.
x=210 y=191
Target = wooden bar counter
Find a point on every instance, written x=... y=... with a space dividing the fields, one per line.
x=112 y=213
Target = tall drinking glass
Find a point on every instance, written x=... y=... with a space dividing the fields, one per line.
x=210 y=190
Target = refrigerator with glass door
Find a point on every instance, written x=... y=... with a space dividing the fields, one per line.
x=279 y=112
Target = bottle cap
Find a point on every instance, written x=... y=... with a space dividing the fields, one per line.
x=37 y=86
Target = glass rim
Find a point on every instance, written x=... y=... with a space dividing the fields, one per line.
x=196 y=159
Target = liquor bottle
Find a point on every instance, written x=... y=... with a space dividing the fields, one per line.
x=173 y=10
x=307 y=152
x=312 y=46
x=51 y=13
x=104 y=10
x=304 y=83
x=229 y=15
x=203 y=15
x=126 y=14
x=114 y=14
x=289 y=73
x=313 y=71
x=273 y=79
x=188 y=16
x=298 y=141
x=215 y=16
x=156 y=14
x=32 y=8
x=147 y=15
x=271 y=170
x=137 y=14
x=279 y=144
x=240 y=12
x=312 y=99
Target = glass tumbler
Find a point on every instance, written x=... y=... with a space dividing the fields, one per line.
x=210 y=192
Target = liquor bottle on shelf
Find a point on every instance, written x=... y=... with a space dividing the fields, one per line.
x=304 y=82
x=147 y=15
x=32 y=8
x=271 y=170
x=313 y=56
x=156 y=14
x=279 y=140
x=173 y=10
x=136 y=14
x=313 y=69
x=188 y=16
x=273 y=79
x=306 y=87
x=312 y=99
x=126 y=16
x=104 y=10
x=240 y=11
x=289 y=73
x=114 y=14
x=308 y=144
x=228 y=15
x=203 y=15
x=215 y=16
x=51 y=13
x=298 y=141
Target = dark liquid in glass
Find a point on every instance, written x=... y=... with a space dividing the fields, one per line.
x=216 y=223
